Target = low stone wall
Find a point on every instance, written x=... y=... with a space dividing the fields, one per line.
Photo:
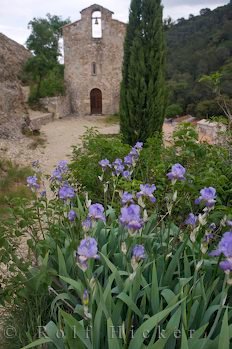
x=210 y=131
x=58 y=106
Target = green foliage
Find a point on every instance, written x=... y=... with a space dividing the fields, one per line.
x=174 y=110
x=53 y=83
x=45 y=36
x=85 y=165
x=214 y=81
x=176 y=287
x=142 y=104
x=213 y=162
x=199 y=46
x=177 y=290
x=207 y=108
x=43 y=71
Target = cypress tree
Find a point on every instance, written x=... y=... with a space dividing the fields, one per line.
x=134 y=23
x=142 y=106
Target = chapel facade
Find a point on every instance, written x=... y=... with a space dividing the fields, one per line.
x=93 y=55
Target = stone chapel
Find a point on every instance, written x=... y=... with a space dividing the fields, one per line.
x=93 y=55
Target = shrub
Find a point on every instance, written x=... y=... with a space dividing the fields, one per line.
x=53 y=84
x=207 y=108
x=174 y=110
x=212 y=162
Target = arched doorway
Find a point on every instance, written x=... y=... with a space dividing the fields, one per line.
x=96 y=101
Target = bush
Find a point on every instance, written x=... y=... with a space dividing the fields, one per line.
x=53 y=84
x=174 y=110
x=212 y=162
x=207 y=108
x=118 y=275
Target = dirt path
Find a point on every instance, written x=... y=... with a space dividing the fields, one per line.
x=62 y=134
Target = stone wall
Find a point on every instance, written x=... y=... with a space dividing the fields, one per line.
x=81 y=50
x=210 y=131
x=58 y=106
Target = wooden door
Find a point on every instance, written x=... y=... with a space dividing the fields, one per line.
x=96 y=101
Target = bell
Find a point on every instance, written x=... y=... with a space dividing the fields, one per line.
x=96 y=21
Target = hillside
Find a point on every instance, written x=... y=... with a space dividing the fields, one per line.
x=197 y=46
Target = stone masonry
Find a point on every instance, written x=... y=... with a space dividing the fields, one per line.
x=93 y=65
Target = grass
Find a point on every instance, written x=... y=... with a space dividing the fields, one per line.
x=112 y=119
x=12 y=183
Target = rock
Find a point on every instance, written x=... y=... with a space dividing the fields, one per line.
x=12 y=104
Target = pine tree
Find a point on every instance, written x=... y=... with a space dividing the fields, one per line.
x=143 y=96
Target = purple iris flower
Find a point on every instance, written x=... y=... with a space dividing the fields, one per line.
x=138 y=252
x=128 y=160
x=208 y=196
x=57 y=174
x=147 y=190
x=224 y=246
x=60 y=170
x=119 y=169
x=88 y=249
x=63 y=165
x=191 y=220
x=131 y=218
x=139 y=145
x=43 y=193
x=127 y=198
x=126 y=174
x=177 y=173
x=66 y=192
x=229 y=223
x=72 y=216
x=87 y=224
x=117 y=162
x=96 y=212
x=104 y=164
x=118 y=166
x=226 y=265
x=134 y=153
x=32 y=182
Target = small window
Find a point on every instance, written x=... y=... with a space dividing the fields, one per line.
x=94 y=69
x=96 y=25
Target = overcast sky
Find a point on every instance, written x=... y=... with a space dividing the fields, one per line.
x=15 y=14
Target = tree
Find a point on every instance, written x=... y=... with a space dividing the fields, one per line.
x=168 y=23
x=142 y=105
x=45 y=36
x=214 y=81
x=174 y=110
x=134 y=23
x=43 y=42
x=205 y=11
